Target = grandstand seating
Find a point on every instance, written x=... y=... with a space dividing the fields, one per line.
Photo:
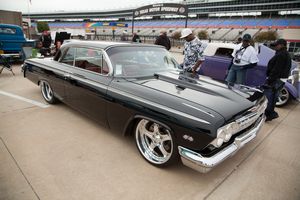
x=218 y=28
x=279 y=23
x=219 y=35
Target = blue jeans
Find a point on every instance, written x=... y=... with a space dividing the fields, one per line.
x=236 y=74
x=272 y=94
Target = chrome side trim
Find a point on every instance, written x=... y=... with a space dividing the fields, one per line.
x=69 y=74
x=88 y=81
x=203 y=164
x=168 y=109
x=43 y=66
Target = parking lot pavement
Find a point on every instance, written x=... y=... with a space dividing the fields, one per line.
x=55 y=152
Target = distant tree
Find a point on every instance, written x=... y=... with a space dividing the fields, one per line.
x=42 y=26
x=203 y=35
x=266 y=36
x=176 y=35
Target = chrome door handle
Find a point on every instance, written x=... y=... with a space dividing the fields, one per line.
x=67 y=76
x=79 y=76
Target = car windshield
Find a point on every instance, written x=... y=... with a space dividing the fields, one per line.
x=140 y=61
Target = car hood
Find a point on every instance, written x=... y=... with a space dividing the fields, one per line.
x=203 y=94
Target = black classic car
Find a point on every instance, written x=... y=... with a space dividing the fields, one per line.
x=137 y=89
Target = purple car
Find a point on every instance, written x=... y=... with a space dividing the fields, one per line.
x=218 y=59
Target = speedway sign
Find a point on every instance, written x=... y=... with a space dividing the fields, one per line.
x=163 y=8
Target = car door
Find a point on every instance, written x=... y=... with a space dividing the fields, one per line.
x=86 y=82
x=216 y=66
x=256 y=76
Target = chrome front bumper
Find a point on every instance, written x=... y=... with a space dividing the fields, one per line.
x=203 y=164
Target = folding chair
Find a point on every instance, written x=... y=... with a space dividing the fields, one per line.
x=4 y=61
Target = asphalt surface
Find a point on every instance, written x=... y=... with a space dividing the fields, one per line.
x=53 y=152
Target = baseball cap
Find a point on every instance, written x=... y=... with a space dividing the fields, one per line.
x=247 y=37
x=185 y=32
x=280 y=41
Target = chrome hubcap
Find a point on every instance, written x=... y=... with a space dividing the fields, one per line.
x=154 y=141
x=283 y=97
x=46 y=91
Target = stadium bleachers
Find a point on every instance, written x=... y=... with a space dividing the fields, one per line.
x=217 y=28
x=279 y=23
x=223 y=23
x=219 y=35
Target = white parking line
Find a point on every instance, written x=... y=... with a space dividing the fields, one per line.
x=36 y=103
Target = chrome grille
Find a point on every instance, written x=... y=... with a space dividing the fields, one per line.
x=224 y=133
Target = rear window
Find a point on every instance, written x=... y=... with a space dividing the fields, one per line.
x=4 y=30
x=224 y=52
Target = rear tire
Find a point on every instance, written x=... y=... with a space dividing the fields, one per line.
x=155 y=143
x=283 y=98
x=47 y=92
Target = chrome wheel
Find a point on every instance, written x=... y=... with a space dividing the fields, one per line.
x=47 y=92
x=283 y=97
x=154 y=142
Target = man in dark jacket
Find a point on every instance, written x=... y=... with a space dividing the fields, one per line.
x=46 y=39
x=46 y=42
x=163 y=40
x=278 y=67
x=136 y=38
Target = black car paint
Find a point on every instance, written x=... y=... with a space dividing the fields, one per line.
x=117 y=102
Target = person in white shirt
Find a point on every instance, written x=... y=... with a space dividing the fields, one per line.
x=244 y=57
x=193 y=52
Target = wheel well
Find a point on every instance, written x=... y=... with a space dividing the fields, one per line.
x=131 y=125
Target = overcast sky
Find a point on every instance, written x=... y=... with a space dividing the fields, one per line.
x=72 y=5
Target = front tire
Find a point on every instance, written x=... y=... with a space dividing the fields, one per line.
x=47 y=92
x=155 y=143
x=283 y=97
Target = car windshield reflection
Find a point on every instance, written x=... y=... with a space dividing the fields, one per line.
x=140 y=61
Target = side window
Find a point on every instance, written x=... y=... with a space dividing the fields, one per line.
x=69 y=57
x=224 y=52
x=91 y=59
x=4 y=30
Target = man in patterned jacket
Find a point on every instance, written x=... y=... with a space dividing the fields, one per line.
x=193 y=52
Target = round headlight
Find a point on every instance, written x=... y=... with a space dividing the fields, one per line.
x=219 y=142
x=227 y=137
x=234 y=127
x=221 y=134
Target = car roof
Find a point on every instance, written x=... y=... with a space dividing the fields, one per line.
x=211 y=48
x=10 y=26
x=104 y=44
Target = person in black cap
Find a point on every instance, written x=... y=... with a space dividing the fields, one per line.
x=244 y=57
x=279 y=67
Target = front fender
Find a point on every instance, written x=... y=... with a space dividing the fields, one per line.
x=292 y=89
